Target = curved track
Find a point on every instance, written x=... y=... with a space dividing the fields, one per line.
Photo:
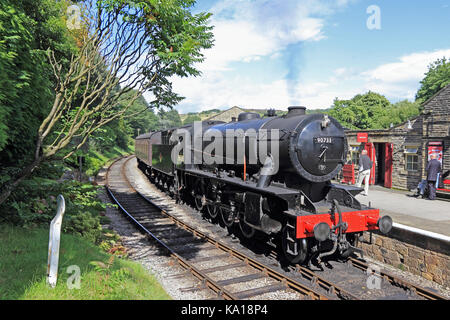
x=192 y=249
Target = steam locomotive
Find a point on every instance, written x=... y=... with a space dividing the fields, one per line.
x=267 y=177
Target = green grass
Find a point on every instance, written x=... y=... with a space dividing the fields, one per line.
x=96 y=160
x=23 y=268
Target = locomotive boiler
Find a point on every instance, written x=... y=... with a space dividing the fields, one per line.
x=270 y=177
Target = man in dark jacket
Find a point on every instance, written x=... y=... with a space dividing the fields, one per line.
x=433 y=168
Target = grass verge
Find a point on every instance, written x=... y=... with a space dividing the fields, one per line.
x=23 y=267
x=96 y=160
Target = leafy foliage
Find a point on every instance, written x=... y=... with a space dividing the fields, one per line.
x=34 y=203
x=73 y=83
x=144 y=119
x=27 y=29
x=437 y=77
x=169 y=119
x=372 y=111
x=191 y=119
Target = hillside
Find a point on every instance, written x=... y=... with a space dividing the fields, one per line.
x=212 y=112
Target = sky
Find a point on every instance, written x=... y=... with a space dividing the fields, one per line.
x=278 y=53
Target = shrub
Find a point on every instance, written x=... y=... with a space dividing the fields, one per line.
x=34 y=204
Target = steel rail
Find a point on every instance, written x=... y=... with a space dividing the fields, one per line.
x=331 y=288
x=322 y=282
x=424 y=293
x=289 y=283
x=220 y=291
x=315 y=279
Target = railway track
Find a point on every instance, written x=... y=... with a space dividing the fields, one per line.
x=402 y=283
x=191 y=247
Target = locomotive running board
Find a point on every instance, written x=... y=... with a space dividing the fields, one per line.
x=285 y=193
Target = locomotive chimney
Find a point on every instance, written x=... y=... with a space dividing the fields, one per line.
x=296 y=111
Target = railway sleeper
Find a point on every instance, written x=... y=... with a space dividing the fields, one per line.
x=182 y=241
x=174 y=233
x=241 y=279
x=259 y=291
x=207 y=258
x=225 y=267
x=185 y=249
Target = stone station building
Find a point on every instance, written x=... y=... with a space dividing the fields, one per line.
x=401 y=153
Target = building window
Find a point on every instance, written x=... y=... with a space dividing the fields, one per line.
x=412 y=162
x=411 y=150
x=411 y=158
x=354 y=152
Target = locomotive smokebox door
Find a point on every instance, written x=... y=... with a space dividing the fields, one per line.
x=253 y=208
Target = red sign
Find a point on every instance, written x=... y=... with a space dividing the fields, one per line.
x=362 y=137
x=435 y=148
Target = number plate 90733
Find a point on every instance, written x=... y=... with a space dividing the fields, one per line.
x=328 y=140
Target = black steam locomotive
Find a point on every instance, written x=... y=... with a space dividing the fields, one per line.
x=271 y=176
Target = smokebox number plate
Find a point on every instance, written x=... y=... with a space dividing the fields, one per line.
x=328 y=140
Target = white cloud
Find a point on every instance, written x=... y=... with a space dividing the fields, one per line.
x=246 y=31
x=236 y=91
x=401 y=79
x=396 y=80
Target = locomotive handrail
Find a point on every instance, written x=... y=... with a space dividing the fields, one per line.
x=54 y=242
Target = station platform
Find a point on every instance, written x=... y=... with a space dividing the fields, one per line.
x=432 y=216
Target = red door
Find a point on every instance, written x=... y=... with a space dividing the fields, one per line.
x=388 y=166
x=372 y=155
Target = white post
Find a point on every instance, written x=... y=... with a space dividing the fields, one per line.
x=53 y=243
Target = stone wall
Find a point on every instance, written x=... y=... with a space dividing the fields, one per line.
x=420 y=255
x=436 y=122
x=404 y=138
x=437 y=114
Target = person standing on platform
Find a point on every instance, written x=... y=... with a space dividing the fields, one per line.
x=365 y=165
x=433 y=169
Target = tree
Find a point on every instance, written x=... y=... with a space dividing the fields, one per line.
x=342 y=112
x=27 y=29
x=191 y=118
x=144 y=119
x=436 y=78
x=124 y=45
x=372 y=111
x=363 y=111
x=169 y=119
x=402 y=111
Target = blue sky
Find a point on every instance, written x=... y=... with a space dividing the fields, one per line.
x=307 y=52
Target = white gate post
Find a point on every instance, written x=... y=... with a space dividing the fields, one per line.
x=53 y=243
